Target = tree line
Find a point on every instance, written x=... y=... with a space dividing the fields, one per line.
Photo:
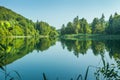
x=98 y=26
x=13 y=24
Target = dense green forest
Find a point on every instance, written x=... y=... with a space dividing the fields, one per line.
x=13 y=24
x=98 y=26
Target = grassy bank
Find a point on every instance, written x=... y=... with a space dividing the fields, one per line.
x=90 y=36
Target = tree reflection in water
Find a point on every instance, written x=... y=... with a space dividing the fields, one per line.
x=106 y=72
x=13 y=49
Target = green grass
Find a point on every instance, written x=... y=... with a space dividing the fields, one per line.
x=90 y=37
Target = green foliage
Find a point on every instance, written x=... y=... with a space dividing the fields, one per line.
x=108 y=71
x=113 y=24
x=45 y=29
x=76 y=27
x=85 y=26
x=13 y=24
x=62 y=31
x=98 y=26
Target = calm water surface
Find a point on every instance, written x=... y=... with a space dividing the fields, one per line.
x=28 y=59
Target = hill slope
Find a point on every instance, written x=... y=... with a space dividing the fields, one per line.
x=14 y=24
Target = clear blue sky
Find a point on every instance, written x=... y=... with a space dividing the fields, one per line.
x=58 y=12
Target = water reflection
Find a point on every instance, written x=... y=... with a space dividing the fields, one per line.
x=108 y=71
x=12 y=49
x=98 y=47
x=78 y=47
x=44 y=43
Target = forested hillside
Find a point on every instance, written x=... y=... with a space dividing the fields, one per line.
x=13 y=24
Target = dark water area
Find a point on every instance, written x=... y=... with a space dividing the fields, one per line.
x=52 y=59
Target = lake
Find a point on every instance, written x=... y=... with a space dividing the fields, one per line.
x=58 y=59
